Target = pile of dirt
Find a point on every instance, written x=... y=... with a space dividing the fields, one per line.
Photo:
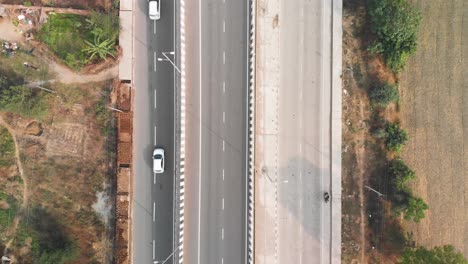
x=34 y=128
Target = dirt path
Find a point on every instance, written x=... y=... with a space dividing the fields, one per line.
x=67 y=76
x=64 y=74
x=24 y=204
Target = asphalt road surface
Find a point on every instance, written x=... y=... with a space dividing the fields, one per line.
x=215 y=182
x=153 y=127
x=298 y=145
x=306 y=155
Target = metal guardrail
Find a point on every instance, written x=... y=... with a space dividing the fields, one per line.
x=251 y=133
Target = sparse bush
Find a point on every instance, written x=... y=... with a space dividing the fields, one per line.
x=415 y=210
x=384 y=94
x=7 y=148
x=395 y=24
x=400 y=174
x=395 y=137
x=438 y=255
x=24 y=101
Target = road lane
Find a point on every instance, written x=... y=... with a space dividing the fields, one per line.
x=216 y=112
x=153 y=127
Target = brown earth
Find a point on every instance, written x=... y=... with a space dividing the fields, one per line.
x=78 y=4
x=434 y=111
x=65 y=166
x=367 y=227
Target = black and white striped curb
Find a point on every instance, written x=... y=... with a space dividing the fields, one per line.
x=181 y=103
x=251 y=134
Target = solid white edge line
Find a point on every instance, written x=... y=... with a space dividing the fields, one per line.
x=154 y=60
x=154 y=98
x=174 y=127
x=154 y=249
x=200 y=136
x=154 y=211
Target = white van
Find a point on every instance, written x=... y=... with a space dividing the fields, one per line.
x=154 y=9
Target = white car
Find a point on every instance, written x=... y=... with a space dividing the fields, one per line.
x=154 y=9
x=158 y=160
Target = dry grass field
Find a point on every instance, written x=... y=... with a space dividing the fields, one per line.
x=434 y=110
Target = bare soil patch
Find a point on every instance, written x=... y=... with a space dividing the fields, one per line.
x=367 y=235
x=434 y=110
x=76 y=4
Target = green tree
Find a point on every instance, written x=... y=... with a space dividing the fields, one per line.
x=437 y=255
x=384 y=94
x=99 y=48
x=400 y=174
x=415 y=209
x=395 y=24
x=395 y=137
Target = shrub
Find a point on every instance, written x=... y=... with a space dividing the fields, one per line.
x=437 y=255
x=384 y=94
x=400 y=174
x=415 y=209
x=24 y=101
x=395 y=24
x=395 y=137
x=7 y=148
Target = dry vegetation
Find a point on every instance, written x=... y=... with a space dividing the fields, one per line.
x=368 y=236
x=66 y=162
x=434 y=111
x=49 y=209
x=79 y=4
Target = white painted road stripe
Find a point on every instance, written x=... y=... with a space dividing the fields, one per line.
x=224 y=117
x=224 y=87
x=224 y=26
x=222 y=233
x=223 y=174
x=154 y=249
x=154 y=98
x=223 y=204
x=223 y=145
x=154 y=27
x=154 y=60
x=224 y=57
x=155 y=135
x=154 y=211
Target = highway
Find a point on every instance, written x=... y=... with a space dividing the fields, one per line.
x=298 y=140
x=153 y=127
x=215 y=182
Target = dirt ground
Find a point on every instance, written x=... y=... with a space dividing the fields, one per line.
x=67 y=160
x=364 y=160
x=78 y=4
x=434 y=110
